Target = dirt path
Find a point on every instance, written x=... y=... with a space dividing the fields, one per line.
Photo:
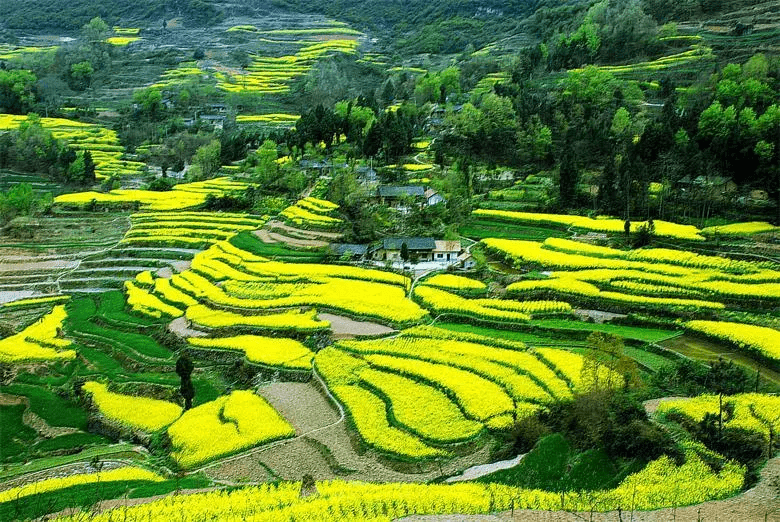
x=651 y=406
x=180 y=327
x=272 y=237
x=475 y=472
x=345 y=328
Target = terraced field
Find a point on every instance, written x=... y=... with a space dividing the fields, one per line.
x=120 y=307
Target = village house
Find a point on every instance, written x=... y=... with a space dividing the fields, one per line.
x=400 y=197
x=353 y=252
x=467 y=261
x=432 y=197
x=420 y=249
x=446 y=251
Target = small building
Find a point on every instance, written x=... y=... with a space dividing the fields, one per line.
x=217 y=121
x=467 y=261
x=432 y=197
x=354 y=251
x=420 y=249
x=446 y=251
x=366 y=174
x=715 y=186
x=398 y=197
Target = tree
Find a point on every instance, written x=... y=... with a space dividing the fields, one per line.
x=266 y=169
x=95 y=31
x=404 y=252
x=184 y=369
x=726 y=378
x=604 y=361
x=568 y=178
x=89 y=168
x=17 y=91
x=81 y=74
x=207 y=160
x=20 y=200
x=149 y=101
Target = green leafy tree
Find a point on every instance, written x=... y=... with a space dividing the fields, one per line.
x=81 y=74
x=149 y=101
x=17 y=91
x=184 y=369
x=207 y=160
x=95 y=31
x=266 y=170
x=21 y=200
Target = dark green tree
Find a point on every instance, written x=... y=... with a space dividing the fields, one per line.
x=184 y=368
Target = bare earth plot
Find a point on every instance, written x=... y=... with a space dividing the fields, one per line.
x=345 y=328
x=326 y=451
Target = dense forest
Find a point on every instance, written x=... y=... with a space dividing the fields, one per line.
x=70 y=15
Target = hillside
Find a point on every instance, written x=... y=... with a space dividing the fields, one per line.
x=389 y=260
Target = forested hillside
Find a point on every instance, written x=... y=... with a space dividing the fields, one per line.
x=67 y=14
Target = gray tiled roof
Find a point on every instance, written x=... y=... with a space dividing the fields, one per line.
x=340 y=248
x=412 y=243
x=391 y=191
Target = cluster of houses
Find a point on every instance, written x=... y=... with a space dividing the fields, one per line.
x=419 y=250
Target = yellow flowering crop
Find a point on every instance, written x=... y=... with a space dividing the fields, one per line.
x=741 y=229
x=455 y=282
x=417 y=167
x=39 y=341
x=653 y=255
x=170 y=293
x=308 y=271
x=271 y=351
x=183 y=195
x=662 y=228
x=320 y=206
x=660 y=484
x=144 y=302
x=421 y=409
x=123 y=474
x=570 y=365
x=534 y=253
x=521 y=385
x=765 y=341
x=752 y=411
x=433 y=332
x=527 y=307
x=566 y=283
x=33 y=301
x=134 y=412
x=244 y=290
x=301 y=217
x=510 y=355
x=144 y=279
x=122 y=40
x=443 y=302
x=267 y=118
x=226 y=425
x=362 y=298
x=479 y=397
x=370 y=418
x=290 y=320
